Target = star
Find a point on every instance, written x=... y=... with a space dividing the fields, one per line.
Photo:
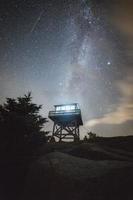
x=76 y=51
x=108 y=63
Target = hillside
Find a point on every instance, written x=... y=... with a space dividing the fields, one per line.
x=97 y=170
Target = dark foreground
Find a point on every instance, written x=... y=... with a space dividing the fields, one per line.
x=97 y=170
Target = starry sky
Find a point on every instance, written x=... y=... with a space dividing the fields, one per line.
x=66 y=51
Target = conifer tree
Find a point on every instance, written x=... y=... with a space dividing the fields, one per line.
x=20 y=122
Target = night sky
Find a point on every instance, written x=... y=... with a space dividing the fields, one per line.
x=67 y=51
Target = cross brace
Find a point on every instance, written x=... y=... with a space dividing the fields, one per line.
x=66 y=130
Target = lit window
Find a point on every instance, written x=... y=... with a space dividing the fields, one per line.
x=68 y=108
x=63 y=107
x=58 y=108
x=73 y=107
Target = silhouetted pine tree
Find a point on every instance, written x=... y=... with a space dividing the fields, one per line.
x=20 y=122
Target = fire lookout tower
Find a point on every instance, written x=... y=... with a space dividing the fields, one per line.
x=67 y=119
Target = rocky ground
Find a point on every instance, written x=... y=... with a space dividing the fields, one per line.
x=79 y=171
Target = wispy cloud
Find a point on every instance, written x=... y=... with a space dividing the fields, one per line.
x=124 y=111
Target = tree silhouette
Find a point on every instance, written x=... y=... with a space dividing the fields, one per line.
x=85 y=139
x=92 y=136
x=20 y=122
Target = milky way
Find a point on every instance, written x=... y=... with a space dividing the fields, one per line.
x=71 y=51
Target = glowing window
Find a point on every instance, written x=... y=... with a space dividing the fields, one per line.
x=68 y=107
x=73 y=107
x=63 y=107
x=58 y=108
